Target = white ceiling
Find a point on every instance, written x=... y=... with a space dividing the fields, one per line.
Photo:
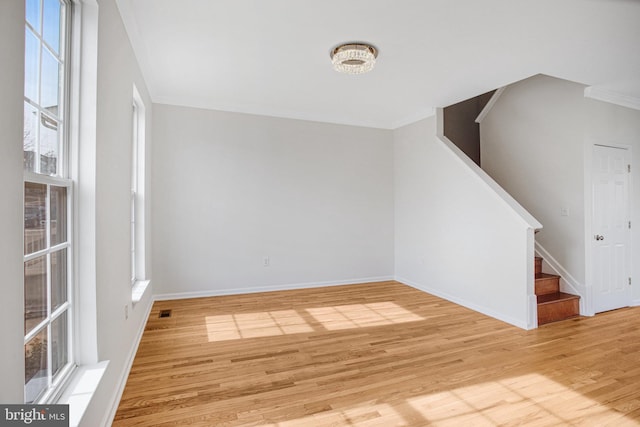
x=271 y=57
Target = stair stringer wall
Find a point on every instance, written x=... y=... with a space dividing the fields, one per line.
x=458 y=235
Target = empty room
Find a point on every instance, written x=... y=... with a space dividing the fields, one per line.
x=338 y=213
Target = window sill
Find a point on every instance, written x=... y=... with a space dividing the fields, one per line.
x=138 y=290
x=81 y=389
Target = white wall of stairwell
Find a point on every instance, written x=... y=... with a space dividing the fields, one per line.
x=531 y=144
x=459 y=235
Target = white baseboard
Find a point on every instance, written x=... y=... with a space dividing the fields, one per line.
x=124 y=375
x=568 y=283
x=483 y=310
x=256 y=289
x=635 y=303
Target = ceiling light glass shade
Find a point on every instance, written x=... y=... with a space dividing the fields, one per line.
x=354 y=58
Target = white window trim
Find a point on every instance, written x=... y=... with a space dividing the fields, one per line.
x=139 y=280
x=82 y=115
x=82 y=132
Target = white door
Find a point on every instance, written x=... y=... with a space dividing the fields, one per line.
x=611 y=228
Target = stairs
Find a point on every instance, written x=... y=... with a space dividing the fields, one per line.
x=553 y=305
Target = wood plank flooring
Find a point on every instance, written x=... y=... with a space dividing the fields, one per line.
x=378 y=354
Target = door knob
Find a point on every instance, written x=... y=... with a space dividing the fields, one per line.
x=598 y=237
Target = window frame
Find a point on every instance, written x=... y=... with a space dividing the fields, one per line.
x=134 y=193
x=138 y=183
x=55 y=383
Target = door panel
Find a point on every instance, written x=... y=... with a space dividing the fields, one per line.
x=611 y=234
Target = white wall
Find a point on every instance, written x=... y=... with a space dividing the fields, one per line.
x=11 y=193
x=230 y=189
x=534 y=143
x=455 y=236
x=117 y=73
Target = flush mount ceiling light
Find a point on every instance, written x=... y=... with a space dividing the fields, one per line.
x=354 y=58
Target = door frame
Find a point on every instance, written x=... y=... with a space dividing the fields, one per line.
x=589 y=309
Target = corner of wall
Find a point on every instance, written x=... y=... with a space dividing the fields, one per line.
x=144 y=307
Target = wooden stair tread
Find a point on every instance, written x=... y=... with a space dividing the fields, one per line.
x=555 y=297
x=544 y=276
x=557 y=306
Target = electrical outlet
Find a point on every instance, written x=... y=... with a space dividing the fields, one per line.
x=564 y=211
x=126 y=311
x=265 y=261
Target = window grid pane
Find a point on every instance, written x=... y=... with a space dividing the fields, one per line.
x=36 y=366
x=33 y=13
x=31 y=66
x=30 y=137
x=58 y=207
x=35 y=292
x=58 y=279
x=59 y=344
x=50 y=83
x=49 y=145
x=46 y=286
x=51 y=25
x=35 y=217
x=44 y=85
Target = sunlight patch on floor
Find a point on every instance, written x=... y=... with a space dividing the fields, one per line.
x=528 y=398
x=362 y=315
x=531 y=399
x=253 y=325
x=273 y=323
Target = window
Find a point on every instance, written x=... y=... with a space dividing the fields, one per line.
x=137 y=191
x=134 y=192
x=47 y=201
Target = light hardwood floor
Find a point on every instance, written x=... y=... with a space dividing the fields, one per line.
x=380 y=354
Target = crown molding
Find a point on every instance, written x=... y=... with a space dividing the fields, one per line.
x=612 y=97
x=420 y=115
